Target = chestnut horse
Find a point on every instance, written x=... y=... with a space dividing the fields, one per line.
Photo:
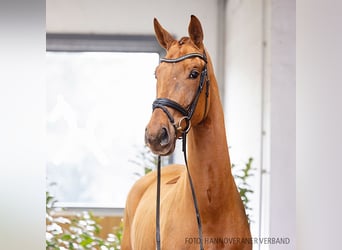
x=224 y=222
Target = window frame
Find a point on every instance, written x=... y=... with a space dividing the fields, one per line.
x=59 y=42
x=102 y=43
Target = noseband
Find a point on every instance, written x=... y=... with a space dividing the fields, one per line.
x=163 y=103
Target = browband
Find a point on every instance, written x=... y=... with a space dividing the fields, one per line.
x=190 y=55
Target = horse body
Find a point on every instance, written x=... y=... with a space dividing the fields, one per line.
x=222 y=213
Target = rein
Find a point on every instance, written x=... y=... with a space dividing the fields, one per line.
x=163 y=103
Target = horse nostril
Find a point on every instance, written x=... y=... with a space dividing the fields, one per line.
x=164 y=137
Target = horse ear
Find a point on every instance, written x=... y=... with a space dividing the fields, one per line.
x=195 y=31
x=164 y=38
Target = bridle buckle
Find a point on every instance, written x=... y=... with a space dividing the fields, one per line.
x=179 y=127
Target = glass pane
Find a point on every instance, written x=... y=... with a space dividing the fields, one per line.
x=98 y=104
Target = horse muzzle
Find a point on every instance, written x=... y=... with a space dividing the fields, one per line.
x=160 y=136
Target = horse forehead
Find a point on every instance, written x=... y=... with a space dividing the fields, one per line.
x=179 y=48
x=182 y=47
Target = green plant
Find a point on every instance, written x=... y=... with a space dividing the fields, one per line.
x=242 y=175
x=79 y=232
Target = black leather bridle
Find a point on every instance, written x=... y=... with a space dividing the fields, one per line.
x=163 y=104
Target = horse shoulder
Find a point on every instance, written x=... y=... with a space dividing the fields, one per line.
x=170 y=175
x=132 y=201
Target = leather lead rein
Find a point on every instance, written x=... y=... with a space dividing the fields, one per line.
x=162 y=103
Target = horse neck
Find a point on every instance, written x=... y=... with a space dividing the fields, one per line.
x=208 y=156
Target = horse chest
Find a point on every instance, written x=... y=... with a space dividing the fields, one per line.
x=178 y=220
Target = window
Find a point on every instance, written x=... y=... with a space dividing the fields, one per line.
x=99 y=95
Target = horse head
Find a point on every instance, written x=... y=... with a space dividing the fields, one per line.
x=181 y=76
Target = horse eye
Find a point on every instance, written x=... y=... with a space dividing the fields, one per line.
x=194 y=74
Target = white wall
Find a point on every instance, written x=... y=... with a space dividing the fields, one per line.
x=283 y=120
x=243 y=89
x=260 y=107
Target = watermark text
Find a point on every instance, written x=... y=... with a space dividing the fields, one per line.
x=237 y=240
